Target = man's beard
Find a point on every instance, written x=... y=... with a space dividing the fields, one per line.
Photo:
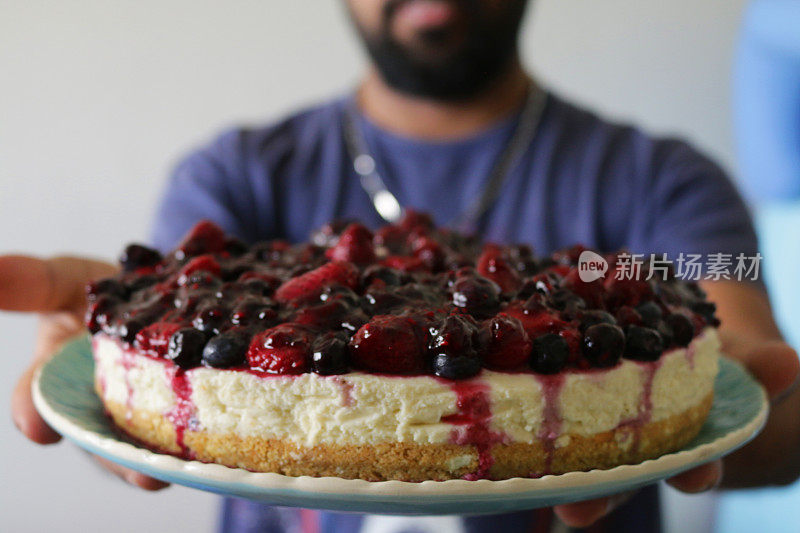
x=486 y=50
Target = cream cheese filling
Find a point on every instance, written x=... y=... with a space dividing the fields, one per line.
x=359 y=408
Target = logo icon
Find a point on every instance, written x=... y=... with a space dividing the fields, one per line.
x=591 y=266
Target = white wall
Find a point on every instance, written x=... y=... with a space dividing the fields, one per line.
x=98 y=98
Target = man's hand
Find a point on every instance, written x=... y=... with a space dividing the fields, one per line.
x=750 y=335
x=54 y=288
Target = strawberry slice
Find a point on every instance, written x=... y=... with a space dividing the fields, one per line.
x=312 y=282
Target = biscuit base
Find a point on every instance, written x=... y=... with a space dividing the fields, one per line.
x=408 y=461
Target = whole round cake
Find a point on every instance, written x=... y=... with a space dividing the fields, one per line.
x=412 y=353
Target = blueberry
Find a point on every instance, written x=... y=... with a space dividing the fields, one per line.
x=141 y=282
x=137 y=256
x=477 y=295
x=384 y=275
x=186 y=347
x=255 y=312
x=108 y=286
x=565 y=300
x=643 y=344
x=603 y=344
x=650 y=313
x=596 y=316
x=127 y=330
x=329 y=356
x=455 y=366
x=210 y=320
x=550 y=354
x=235 y=247
x=226 y=350
x=707 y=310
x=682 y=328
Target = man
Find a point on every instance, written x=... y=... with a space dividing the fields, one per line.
x=447 y=115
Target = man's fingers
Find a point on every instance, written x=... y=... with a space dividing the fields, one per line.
x=774 y=364
x=131 y=476
x=586 y=513
x=43 y=285
x=704 y=477
x=24 y=414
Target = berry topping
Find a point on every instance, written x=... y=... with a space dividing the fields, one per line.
x=330 y=356
x=409 y=299
x=603 y=345
x=153 y=339
x=354 y=245
x=682 y=329
x=454 y=347
x=137 y=256
x=650 y=313
x=311 y=283
x=550 y=354
x=595 y=316
x=206 y=237
x=392 y=344
x=226 y=350
x=284 y=349
x=477 y=295
x=204 y=263
x=643 y=344
x=492 y=266
x=186 y=347
x=509 y=346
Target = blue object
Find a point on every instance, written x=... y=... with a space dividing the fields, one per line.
x=583 y=180
x=767 y=100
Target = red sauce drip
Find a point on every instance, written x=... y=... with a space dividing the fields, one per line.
x=551 y=423
x=645 y=404
x=473 y=418
x=181 y=415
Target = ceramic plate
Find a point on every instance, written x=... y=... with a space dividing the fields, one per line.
x=63 y=394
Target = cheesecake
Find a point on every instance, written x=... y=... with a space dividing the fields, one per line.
x=408 y=353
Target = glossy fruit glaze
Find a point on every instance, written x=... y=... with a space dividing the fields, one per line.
x=407 y=299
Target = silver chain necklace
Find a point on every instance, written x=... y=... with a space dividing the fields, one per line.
x=386 y=203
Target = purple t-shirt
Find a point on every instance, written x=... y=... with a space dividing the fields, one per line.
x=581 y=180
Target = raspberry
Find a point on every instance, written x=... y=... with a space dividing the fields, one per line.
x=592 y=293
x=536 y=323
x=312 y=282
x=354 y=245
x=393 y=344
x=492 y=266
x=205 y=237
x=205 y=263
x=510 y=346
x=284 y=349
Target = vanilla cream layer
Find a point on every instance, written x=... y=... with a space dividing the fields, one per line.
x=358 y=408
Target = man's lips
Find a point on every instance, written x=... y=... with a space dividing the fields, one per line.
x=425 y=14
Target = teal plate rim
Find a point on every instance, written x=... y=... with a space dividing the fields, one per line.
x=63 y=393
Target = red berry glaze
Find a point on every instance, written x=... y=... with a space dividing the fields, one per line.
x=389 y=344
x=284 y=349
